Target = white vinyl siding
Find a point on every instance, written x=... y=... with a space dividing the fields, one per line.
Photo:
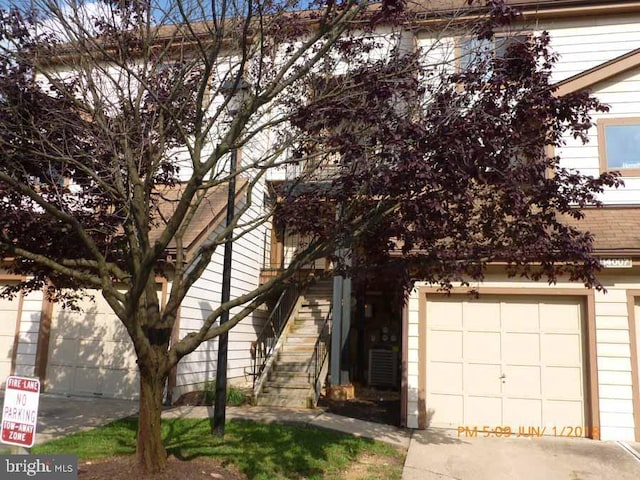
x=587 y=42
x=200 y=366
x=622 y=95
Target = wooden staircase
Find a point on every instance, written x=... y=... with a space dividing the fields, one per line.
x=290 y=381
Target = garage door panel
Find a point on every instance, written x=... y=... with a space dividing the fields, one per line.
x=563 y=383
x=558 y=315
x=445 y=377
x=520 y=317
x=480 y=315
x=446 y=346
x=6 y=348
x=562 y=413
x=59 y=378
x=71 y=324
x=443 y=315
x=91 y=352
x=125 y=386
x=87 y=380
x=480 y=411
x=482 y=379
x=521 y=412
x=445 y=410
x=521 y=348
x=482 y=347
x=561 y=349
x=8 y=320
x=522 y=381
x=63 y=351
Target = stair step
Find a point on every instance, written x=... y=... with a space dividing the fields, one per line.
x=307 y=340
x=266 y=401
x=306 y=348
x=288 y=375
x=316 y=302
x=312 y=331
x=281 y=366
x=288 y=385
x=282 y=391
x=305 y=315
x=295 y=357
x=309 y=319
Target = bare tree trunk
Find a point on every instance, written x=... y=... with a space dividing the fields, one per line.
x=150 y=451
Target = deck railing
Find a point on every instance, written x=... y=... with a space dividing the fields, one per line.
x=320 y=354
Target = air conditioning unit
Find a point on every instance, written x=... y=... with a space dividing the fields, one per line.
x=383 y=368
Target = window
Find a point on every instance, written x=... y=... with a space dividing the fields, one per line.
x=619 y=145
x=475 y=51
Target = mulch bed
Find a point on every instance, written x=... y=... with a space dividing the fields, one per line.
x=125 y=468
x=370 y=404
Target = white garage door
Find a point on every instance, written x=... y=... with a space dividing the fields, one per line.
x=90 y=353
x=505 y=362
x=9 y=310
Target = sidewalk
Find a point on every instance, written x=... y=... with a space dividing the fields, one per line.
x=315 y=418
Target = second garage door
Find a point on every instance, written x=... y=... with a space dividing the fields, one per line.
x=90 y=353
x=498 y=361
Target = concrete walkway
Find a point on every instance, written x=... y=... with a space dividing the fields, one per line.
x=59 y=415
x=438 y=454
x=315 y=418
x=432 y=454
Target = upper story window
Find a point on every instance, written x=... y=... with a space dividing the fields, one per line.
x=476 y=51
x=619 y=145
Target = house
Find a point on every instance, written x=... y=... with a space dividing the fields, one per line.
x=526 y=354
x=88 y=351
x=521 y=355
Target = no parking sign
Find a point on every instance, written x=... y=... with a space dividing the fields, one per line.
x=20 y=411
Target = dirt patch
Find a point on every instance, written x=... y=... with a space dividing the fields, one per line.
x=370 y=404
x=125 y=468
x=373 y=466
x=194 y=399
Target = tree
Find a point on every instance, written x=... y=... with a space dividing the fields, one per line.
x=117 y=124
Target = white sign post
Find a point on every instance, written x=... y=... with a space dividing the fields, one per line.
x=20 y=411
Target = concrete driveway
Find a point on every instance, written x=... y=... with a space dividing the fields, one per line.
x=439 y=454
x=59 y=415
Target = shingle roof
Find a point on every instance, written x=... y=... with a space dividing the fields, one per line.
x=457 y=5
x=615 y=229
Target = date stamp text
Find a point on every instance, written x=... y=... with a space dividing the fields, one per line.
x=528 y=431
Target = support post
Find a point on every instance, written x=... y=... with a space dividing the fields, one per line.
x=336 y=330
x=346 y=327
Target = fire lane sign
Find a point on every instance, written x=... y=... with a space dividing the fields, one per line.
x=20 y=411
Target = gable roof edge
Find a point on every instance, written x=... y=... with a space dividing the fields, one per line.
x=599 y=73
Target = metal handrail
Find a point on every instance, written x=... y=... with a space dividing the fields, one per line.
x=272 y=329
x=320 y=350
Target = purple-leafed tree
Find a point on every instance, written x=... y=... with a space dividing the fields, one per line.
x=118 y=121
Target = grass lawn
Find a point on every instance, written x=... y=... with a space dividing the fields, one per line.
x=259 y=451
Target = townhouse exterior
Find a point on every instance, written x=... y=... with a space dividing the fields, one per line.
x=523 y=354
